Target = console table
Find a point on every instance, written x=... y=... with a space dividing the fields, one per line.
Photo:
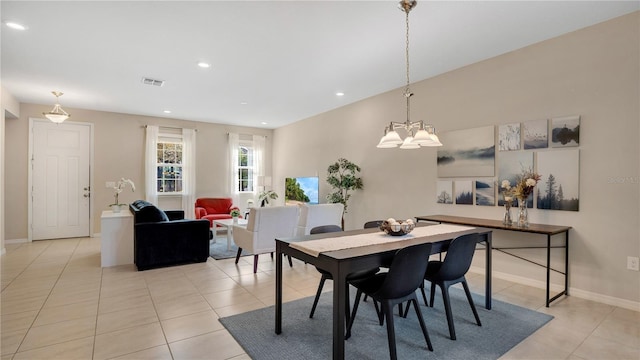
x=548 y=230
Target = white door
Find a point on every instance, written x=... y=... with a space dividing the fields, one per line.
x=60 y=179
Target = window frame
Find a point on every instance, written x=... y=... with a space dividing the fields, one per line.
x=169 y=138
x=250 y=168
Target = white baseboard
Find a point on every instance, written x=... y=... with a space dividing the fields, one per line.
x=579 y=293
x=96 y=235
x=16 y=241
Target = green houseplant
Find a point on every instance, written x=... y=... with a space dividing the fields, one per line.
x=343 y=178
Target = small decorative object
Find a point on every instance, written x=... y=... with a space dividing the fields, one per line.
x=120 y=185
x=523 y=189
x=235 y=213
x=508 y=193
x=392 y=227
x=266 y=196
x=523 y=215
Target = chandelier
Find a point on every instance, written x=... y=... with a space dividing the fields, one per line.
x=57 y=115
x=418 y=133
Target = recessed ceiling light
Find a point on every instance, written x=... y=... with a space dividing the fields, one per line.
x=204 y=65
x=264 y=123
x=244 y=103
x=15 y=25
x=167 y=111
x=339 y=94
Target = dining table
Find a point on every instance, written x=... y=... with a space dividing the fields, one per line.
x=345 y=252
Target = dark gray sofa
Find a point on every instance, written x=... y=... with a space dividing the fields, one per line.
x=165 y=238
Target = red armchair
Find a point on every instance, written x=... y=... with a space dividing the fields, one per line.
x=213 y=209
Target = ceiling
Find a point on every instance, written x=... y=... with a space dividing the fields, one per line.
x=272 y=62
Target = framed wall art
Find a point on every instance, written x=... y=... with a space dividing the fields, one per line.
x=565 y=131
x=467 y=153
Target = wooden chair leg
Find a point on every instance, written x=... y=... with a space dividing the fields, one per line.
x=255 y=264
x=473 y=306
x=422 y=324
x=315 y=301
x=353 y=314
x=447 y=310
x=238 y=255
x=387 y=308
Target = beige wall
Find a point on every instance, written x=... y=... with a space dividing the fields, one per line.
x=119 y=146
x=10 y=110
x=593 y=72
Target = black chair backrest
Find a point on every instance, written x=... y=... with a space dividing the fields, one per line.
x=373 y=224
x=458 y=259
x=406 y=272
x=325 y=229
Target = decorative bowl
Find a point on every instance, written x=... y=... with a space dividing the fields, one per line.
x=397 y=229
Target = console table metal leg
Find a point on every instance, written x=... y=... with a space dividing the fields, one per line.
x=548 y=268
x=566 y=263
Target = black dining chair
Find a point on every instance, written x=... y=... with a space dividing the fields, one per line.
x=327 y=275
x=398 y=285
x=372 y=224
x=451 y=271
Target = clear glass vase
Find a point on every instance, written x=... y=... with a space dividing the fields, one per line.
x=507 y=214
x=523 y=215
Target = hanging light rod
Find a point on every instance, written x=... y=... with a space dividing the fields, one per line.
x=57 y=115
x=426 y=133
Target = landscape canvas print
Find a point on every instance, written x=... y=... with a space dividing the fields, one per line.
x=468 y=153
x=444 y=192
x=565 y=131
x=510 y=167
x=485 y=193
x=464 y=192
x=559 y=187
x=535 y=134
x=509 y=137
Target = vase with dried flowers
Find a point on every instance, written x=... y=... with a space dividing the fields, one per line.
x=507 y=193
x=525 y=184
x=120 y=185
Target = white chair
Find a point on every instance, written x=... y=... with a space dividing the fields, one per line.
x=264 y=226
x=318 y=215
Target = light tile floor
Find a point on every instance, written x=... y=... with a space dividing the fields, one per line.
x=58 y=303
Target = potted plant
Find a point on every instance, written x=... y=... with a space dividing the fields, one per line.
x=120 y=185
x=342 y=176
x=235 y=213
x=266 y=196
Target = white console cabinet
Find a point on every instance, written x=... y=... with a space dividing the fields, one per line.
x=116 y=243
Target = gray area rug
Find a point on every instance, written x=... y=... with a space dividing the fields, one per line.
x=502 y=328
x=218 y=250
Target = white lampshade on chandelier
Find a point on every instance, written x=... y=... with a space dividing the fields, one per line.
x=57 y=115
x=419 y=134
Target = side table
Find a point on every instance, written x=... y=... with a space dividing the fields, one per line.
x=116 y=238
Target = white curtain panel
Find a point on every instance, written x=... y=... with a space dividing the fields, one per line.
x=150 y=166
x=188 y=172
x=259 y=144
x=234 y=143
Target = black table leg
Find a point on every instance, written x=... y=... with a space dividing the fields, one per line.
x=488 y=272
x=278 y=288
x=339 y=301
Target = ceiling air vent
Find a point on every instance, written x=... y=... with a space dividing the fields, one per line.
x=148 y=81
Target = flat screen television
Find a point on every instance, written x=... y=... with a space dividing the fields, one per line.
x=301 y=190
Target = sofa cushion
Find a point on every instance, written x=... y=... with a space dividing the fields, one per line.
x=215 y=205
x=145 y=211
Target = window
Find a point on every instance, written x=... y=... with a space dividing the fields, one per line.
x=169 y=164
x=245 y=169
